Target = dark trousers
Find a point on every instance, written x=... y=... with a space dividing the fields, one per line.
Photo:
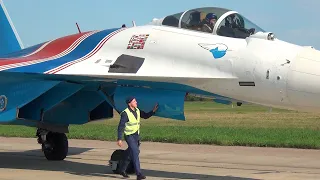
x=132 y=153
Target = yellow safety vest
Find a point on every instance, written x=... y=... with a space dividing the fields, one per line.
x=133 y=125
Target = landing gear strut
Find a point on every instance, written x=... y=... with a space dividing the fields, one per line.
x=54 y=145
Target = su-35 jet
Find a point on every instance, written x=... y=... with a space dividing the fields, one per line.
x=211 y=52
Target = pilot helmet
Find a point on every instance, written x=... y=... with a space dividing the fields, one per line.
x=210 y=16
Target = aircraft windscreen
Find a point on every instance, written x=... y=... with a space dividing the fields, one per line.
x=195 y=19
x=202 y=19
x=172 y=20
x=249 y=25
x=237 y=26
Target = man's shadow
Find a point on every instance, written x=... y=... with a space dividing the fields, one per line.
x=35 y=160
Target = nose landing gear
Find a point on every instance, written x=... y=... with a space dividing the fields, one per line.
x=54 y=145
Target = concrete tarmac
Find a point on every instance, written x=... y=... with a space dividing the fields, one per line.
x=21 y=158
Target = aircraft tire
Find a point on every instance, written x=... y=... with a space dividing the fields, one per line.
x=58 y=149
x=117 y=156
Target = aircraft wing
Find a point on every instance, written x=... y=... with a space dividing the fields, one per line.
x=73 y=99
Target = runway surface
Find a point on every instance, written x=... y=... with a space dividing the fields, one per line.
x=22 y=159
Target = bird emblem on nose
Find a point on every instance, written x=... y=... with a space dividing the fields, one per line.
x=217 y=50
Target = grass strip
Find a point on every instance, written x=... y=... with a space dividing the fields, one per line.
x=226 y=136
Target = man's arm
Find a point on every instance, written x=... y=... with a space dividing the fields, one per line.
x=121 y=126
x=147 y=115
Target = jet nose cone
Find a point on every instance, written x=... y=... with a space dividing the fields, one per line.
x=303 y=84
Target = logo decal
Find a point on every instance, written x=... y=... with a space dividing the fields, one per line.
x=218 y=50
x=3 y=102
x=137 y=41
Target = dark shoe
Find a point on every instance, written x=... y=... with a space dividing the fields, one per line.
x=141 y=177
x=124 y=174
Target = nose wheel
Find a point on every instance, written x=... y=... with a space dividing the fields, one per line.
x=54 y=145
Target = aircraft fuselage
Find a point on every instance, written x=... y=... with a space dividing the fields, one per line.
x=273 y=73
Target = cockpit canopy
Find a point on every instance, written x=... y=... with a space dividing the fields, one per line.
x=212 y=20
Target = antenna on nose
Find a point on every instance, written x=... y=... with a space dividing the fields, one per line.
x=78 y=28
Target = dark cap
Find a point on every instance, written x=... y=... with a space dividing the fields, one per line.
x=129 y=99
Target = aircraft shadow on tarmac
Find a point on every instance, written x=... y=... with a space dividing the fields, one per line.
x=35 y=160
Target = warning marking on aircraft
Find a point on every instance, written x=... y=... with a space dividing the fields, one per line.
x=137 y=41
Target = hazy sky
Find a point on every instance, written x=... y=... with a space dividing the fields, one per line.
x=36 y=21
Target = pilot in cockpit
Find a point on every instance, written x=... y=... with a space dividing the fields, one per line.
x=237 y=24
x=209 y=22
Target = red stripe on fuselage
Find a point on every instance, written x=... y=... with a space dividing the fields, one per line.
x=53 y=48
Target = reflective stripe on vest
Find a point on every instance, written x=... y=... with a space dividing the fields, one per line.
x=133 y=125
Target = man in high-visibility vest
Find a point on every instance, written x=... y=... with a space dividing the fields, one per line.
x=130 y=124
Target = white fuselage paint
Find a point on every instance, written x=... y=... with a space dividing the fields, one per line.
x=285 y=75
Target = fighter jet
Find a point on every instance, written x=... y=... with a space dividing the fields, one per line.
x=211 y=52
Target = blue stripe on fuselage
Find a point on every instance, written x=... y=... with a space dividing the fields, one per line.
x=81 y=50
x=23 y=52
